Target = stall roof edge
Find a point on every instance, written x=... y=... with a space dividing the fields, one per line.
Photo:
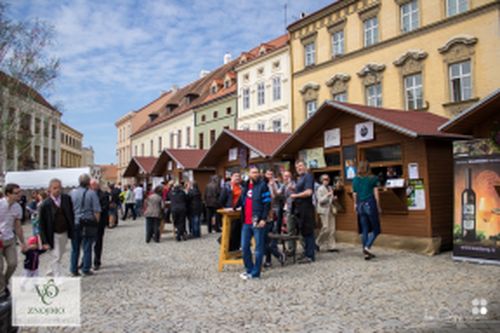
x=145 y=163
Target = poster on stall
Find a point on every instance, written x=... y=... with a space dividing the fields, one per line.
x=233 y=154
x=332 y=138
x=476 y=231
x=314 y=158
x=416 y=194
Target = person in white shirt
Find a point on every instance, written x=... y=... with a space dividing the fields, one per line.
x=10 y=219
x=139 y=199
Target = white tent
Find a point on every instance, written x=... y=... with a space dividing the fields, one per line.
x=38 y=179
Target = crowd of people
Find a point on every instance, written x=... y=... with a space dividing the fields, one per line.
x=270 y=205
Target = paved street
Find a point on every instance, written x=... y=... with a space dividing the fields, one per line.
x=174 y=287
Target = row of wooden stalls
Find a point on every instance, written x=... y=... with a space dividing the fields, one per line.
x=411 y=156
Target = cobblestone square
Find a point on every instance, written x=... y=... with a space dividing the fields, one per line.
x=175 y=287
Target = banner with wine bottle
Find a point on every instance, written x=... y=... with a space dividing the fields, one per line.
x=476 y=232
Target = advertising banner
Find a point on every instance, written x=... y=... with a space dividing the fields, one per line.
x=476 y=232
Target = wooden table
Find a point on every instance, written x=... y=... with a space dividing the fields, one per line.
x=227 y=257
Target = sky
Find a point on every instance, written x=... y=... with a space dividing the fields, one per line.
x=117 y=56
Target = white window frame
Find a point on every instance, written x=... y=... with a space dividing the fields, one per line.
x=188 y=136
x=310 y=54
x=410 y=20
x=160 y=143
x=370 y=31
x=261 y=126
x=246 y=98
x=338 y=43
x=311 y=108
x=413 y=90
x=459 y=6
x=340 y=97
x=277 y=125
x=374 y=94
x=276 y=88
x=462 y=77
x=261 y=93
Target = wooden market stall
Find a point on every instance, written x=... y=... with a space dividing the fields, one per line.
x=140 y=169
x=404 y=149
x=183 y=165
x=236 y=150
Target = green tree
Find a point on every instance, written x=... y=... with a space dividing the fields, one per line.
x=26 y=68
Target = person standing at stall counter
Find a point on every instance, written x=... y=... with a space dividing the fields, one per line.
x=367 y=207
x=304 y=210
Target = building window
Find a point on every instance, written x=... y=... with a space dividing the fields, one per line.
x=260 y=93
x=261 y=126
x=200 y=141
x=371 y=31
x=460 y=81
x=216 y=114
x=310 y=54
x=227 y=83
x=160 y=146
x=340 y=97
x=409 y=16
x=310 y=108
x=37 y=125
x=214 y=89
x=151 y=148
x=228 y=110
x=188 y=136
x=212 y=137
x=454 y=7
x=276 y=88
x=246 y=98
x=179 y=138
x=413 y=92
x=338 y=43
x=172 y=137
x=374 y=95
x=277 y=125
x=203 y=118
x=142 y=149
x=135 y=151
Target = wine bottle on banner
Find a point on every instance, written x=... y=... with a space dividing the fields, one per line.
x=468 y=208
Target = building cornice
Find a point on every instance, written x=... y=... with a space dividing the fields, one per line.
x=262 y=58
x=403 y=37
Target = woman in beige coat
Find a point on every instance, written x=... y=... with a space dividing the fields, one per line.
x=326 y=211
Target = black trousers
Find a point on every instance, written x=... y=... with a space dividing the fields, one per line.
x=211 y=212
x=103 y=222
x=129 y=206
x=152 y=229
x=179 y=218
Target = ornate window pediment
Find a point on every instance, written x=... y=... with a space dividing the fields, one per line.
x=310 y=91
x=458 y=48
x=411 y=61
x=338 y=83
x=371 y=73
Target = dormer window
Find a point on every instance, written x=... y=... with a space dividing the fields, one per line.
x=227 y=84
x=190 y=97
x=213 y=90
x=171 y=107
x=262 y=50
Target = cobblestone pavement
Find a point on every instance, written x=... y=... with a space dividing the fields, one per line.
x=175 y=287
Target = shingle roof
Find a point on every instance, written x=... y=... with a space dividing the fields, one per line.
x=270 y=46
x=263 y=143
x=139 y=165
x=186 y=158
x=410 y=123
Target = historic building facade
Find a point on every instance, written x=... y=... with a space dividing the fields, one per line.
x=71 y=147
x=264 y=86
x=404 y=54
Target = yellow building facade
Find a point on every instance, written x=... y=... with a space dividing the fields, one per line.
x=431 y=55
x=71 y=147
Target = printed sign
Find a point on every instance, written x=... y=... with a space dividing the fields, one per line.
x=332 y=138
x=364 y=131
x=233 y=154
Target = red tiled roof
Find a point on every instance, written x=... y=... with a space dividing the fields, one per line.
x=219 y=94
x=25 y=90
x=187 y=158
x=264 y=143
x=139 y=165
x=270 y=46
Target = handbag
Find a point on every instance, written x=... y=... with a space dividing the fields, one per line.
x=89 y=226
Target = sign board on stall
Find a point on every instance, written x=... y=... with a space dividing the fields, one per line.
x=332 y=138
x=314 y=158
x=364 y=131
x=233 y=154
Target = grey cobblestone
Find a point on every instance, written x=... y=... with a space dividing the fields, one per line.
x=175 y=287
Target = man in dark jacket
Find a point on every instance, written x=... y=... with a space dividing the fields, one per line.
x=57 y=222
x=256 y=202
x=104 y=200
x=178 y=206
x=212 y=194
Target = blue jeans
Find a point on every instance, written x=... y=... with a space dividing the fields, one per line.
x=195 y=222
x=246 y=235
x=76 y=243
x=138 y=207
x=369 y=221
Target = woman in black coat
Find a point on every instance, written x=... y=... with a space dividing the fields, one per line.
x=195 y=209
x=178 y=205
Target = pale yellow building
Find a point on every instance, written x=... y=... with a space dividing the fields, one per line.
x=71 y=147
x=431 y=55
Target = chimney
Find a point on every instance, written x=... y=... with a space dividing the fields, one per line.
x=174 y=88
x=227 y=58
x=204 y=73
x=302 y=15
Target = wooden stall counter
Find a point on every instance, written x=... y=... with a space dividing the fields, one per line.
x=227 y=257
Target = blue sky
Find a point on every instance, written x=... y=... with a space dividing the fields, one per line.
x=119 y=55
